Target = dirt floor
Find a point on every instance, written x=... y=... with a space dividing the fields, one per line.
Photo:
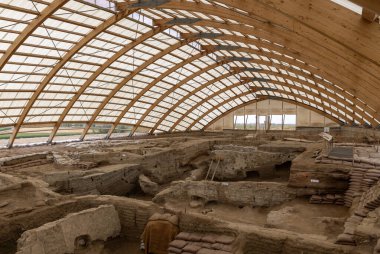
x=121 y=246
x=325 y=221
x=318 y=221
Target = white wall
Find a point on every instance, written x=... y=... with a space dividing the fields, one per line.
x=304 y=117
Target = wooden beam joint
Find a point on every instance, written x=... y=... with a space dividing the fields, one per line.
x=369 y=15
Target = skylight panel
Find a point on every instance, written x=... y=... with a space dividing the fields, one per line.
x=349 y=5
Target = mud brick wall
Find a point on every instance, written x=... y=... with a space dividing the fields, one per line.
x=18 y=159
x=330 y=178
x=264 y=243
x=236 y=161
x=38 y=217
x=235 y=193
x=165 y=166
x=24 y=161
x=134 y=214
x=115 y=180
x=189 y=222
x=259 y=240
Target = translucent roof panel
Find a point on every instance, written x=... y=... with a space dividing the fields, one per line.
x=77 y=64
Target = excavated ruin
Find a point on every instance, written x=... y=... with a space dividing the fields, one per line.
x=205 y=194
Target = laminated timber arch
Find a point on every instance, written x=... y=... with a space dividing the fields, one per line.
x=228 y=88
x=234 y=71
x=200 y=103
x=189 y=38
x=259 y=52
x=291 y=31
x=236 y=97
x=211 y=82
x=263 y=98
x=277 y=29
x=32 y=26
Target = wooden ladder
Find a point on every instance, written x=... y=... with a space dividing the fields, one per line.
x=210 y=169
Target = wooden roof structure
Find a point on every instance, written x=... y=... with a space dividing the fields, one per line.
x=178 y=65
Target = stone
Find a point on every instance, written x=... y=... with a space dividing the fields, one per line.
x=192 y=248
x=345 y=239
x=107 y=180
x=147 y=186
x=225 y=239
x=278 y=218
x=376 y=250
x=196 y=204
x=4 y=204
x=197 y=174
x=179 y=244
x=174 y=250
x=208 y=251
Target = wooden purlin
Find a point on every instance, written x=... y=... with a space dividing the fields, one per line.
x=361 y=84
x=147 y=88
x=128 y=78
x=109 y=22
x=99 y=71
x=249 y=92
x=335 y=104
x=279 y=91
x=30 y=28
x=279 y=99
x=190 y=7
x=44 y=15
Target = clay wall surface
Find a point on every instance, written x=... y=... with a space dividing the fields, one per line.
x=235 y=193
x=60 y=236
x=305 y=173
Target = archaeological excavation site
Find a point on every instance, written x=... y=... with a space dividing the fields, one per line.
x=189 y=127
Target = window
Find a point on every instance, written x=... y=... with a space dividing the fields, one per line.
x=250 y=122
x=275 y=122
x=290 y=122
x=239 y=122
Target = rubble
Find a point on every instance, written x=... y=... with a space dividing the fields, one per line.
x=147 y=186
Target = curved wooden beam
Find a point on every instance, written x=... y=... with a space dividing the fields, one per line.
x=231 y=37
x=45 y=14
x=153 y=83
x=267 y=45
x=280 y=91
x=99 y=29
x=235 y=85
x=128 y=78
x=336 y=58
x=67 y=57
x=249 y=92
x=369 y=4
x=100 y=70
x=178 y=85
x=304 y=56
x=273 y=98
x=183 y=99
x=304 y=20
x=261 y=53
x=147 y=112
x=346 y=69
